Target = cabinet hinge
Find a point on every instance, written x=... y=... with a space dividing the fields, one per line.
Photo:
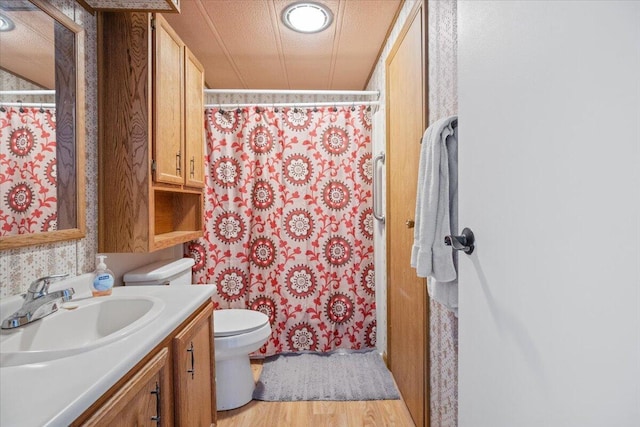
x=153 y=166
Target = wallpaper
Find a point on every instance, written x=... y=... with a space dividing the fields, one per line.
x=18 y=267
x=443 y=101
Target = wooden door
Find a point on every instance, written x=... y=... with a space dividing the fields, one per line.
x=194 y=374
x=408 y=302
x=168 y=111
x=142 y=401
x=194 y=120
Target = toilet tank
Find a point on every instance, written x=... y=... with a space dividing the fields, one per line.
x=165 y=272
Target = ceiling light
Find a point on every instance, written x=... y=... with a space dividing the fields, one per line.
x=307 y=17
x=6 y=24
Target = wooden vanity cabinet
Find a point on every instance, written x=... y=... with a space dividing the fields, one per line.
x=175 y=380
x=151 y=135
x=141 y=400
x=194 y=372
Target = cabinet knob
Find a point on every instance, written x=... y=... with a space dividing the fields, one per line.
x=410 y=223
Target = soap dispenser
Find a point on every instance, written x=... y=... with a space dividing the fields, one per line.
x=103 y=278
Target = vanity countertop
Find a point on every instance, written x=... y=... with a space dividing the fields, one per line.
x=56 y=392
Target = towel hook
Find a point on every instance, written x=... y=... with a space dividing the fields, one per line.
x=464 y=242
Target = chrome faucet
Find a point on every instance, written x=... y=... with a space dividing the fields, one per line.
x=38 y=302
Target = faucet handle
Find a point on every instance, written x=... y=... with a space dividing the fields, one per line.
x=40 y=286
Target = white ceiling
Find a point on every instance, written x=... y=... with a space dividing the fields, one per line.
x=244 y=44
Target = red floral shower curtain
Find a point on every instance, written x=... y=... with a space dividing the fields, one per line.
x=28 y=194
x=289 y=225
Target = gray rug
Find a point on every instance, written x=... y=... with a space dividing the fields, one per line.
x=335 y=376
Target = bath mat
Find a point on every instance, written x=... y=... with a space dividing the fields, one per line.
x=334 y=376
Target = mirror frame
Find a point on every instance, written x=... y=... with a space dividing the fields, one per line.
x=21 y=240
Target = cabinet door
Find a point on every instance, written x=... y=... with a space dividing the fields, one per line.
x=168 y=111
x=193 y=372
x=194 y=120
x=141 y=401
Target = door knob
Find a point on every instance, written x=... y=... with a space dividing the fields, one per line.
x=410 y=223
x=464 y=242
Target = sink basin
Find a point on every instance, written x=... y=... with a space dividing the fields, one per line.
x=79 y=326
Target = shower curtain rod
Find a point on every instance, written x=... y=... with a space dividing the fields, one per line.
x=293 y=92
x=27 y=92
x=27 y=104
x=294 y=104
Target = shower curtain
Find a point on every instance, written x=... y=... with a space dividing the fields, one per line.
x=289 y=225
x=28 y=194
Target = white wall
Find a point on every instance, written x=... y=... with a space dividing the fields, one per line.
x=549 y=99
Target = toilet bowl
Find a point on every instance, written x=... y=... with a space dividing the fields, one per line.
x=237 y=333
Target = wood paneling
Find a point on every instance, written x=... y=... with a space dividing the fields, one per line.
x=66 y=173
x=408 y=302
x=124 y=132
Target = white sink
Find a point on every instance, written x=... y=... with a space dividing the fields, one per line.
x=79 y=326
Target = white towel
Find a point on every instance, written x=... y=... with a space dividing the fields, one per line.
x=436 y=211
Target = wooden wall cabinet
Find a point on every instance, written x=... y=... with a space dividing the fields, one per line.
x=179 y=109
x=176 y=382
x=151 y=135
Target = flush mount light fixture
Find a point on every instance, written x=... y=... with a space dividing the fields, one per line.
x=307 y=17
x=6 y=24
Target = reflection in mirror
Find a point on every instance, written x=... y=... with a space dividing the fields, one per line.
x=41 y=125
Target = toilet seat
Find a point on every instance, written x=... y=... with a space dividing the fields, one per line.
x=230 y=322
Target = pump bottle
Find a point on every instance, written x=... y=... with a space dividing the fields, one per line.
x=103 y=278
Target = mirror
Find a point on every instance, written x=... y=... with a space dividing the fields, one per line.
x=41 y=125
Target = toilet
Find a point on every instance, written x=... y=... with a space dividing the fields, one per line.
x=237 y=333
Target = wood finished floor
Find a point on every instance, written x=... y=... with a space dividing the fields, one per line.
x=383 y=413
